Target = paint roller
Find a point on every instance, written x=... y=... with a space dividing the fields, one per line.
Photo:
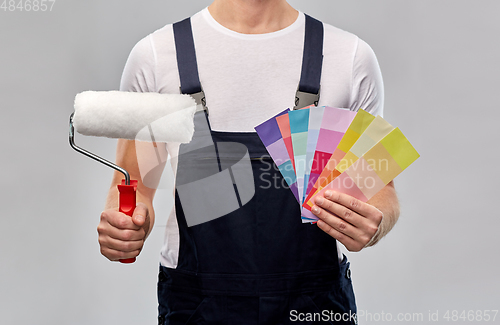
x=151 y=117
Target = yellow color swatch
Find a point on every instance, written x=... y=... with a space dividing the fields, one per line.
x=400 y=148
x=361 y=121
x=382 y=163
x=358 y=125
x=346 y=162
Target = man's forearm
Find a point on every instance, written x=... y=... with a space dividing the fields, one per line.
x=385 y=200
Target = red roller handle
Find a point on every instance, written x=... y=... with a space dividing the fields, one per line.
x=127 y=204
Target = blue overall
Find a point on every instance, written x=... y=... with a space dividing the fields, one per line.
x=258 y=264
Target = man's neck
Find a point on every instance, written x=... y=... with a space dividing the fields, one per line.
x=253 y=16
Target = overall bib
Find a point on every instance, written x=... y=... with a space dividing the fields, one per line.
x=258 y=264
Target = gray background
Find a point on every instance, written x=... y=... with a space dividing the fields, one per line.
x=439 y=61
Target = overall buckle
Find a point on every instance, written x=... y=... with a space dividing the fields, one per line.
x=199 y=97
x=303 y=99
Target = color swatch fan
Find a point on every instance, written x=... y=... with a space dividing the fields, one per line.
x=324 y=148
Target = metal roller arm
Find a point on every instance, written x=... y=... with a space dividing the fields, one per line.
x=93 y=156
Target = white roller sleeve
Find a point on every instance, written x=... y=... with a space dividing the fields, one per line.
x=131 y=115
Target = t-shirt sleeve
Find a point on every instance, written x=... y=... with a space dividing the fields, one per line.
x=139 y=72
x=367 y=86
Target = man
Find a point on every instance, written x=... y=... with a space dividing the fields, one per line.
x=258 y=264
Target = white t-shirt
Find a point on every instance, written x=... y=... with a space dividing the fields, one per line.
x=248 y=78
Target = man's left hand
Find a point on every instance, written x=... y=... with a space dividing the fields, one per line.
x=352 y=222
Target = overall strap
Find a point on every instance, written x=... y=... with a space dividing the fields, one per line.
x=186 y=61
x=312 y=62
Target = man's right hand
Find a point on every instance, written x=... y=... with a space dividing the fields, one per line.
x=121 y=236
